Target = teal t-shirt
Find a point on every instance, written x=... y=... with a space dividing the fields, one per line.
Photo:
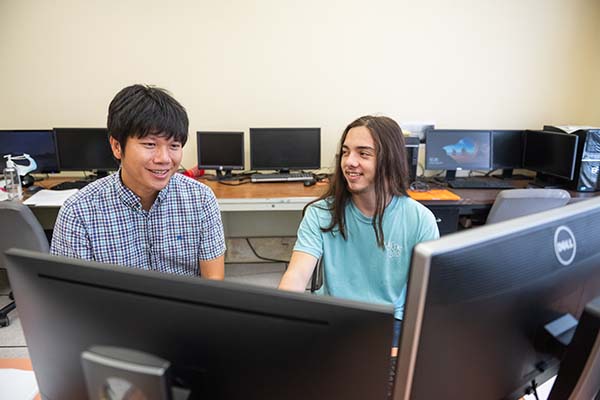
x=357 y=268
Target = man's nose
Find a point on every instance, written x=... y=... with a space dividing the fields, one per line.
x=161 y=155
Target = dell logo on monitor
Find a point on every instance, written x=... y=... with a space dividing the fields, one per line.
x=565 y=245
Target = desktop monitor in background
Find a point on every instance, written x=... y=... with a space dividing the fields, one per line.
x=85 y=149
x=457 y=149
x=285 y=149
x=221 y=151
x=552 y=155
x=224 y=340
x=39 y=144
x=507 y=151
x=478 y=302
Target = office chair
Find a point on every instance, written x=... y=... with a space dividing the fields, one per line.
x=316 y=280
x=515 y=203
x=21 y=229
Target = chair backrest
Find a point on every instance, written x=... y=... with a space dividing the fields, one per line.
x=20 y=228
x=515 y=203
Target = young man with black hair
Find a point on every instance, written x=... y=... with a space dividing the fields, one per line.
x=365 y=226
x=145 y=216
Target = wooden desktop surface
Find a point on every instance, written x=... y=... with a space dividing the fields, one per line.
x=230 y=190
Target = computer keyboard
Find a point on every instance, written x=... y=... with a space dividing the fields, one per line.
x=478 y=183
x=291 y=177
x=70 y=185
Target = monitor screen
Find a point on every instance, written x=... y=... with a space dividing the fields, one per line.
x=84 y=149
x=285 y=148
x=478 y=301
x=220 y=150
x=550 y=153
x=39 y=144
x=454 y=149
x=507 y=149
x=225 y=339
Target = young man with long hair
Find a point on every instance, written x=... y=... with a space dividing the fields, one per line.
x=365 y=226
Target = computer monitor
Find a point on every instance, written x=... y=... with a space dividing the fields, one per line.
x=457 y=149
x=284 y=149
x=221 y=151
x=225 y=340
x=579 y=373
x=39 y=144
x=507 y=151
x=552 y=155
x=85 y=149
x=478 y=302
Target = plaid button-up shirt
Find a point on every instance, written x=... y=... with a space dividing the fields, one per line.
x=105 y=222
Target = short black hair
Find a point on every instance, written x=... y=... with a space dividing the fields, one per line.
x=142 y=110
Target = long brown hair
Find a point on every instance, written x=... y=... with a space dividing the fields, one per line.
x=391 y=174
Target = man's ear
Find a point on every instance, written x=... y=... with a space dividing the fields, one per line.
x=116 y=147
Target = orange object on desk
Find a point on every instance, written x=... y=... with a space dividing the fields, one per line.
x=434 y=194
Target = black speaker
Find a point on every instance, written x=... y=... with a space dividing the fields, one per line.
x=412 y=155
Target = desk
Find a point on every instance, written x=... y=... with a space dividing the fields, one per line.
x=275 y=209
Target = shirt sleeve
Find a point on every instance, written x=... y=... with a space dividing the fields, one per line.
x=310 y=236
x=212 y=240
x=428 y=228
x=70 y=238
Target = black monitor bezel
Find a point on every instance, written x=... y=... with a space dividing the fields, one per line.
x=518 y=159
x=221 y=167
x=105 y=166
x=53 y=138
x=546 y=171
x=307 y=166
x=469 y=290
x=201 y=320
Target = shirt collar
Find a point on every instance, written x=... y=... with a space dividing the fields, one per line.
x=131 y=199
x=369 y=220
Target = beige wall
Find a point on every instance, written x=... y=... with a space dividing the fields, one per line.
x=238 y=64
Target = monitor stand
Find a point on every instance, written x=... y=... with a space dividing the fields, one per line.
x=548 y=182
x=27 y=180
x=225 y=175
x=507 y=173
x=101 y=173
x=450 y=176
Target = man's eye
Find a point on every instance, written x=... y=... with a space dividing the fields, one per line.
x=176 y=146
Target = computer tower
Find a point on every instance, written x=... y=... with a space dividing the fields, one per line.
x=412 y=155
x=587 y=163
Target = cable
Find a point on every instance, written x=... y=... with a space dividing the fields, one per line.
x=533 y=389
x=264 y=258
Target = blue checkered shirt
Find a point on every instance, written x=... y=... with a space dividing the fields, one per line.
x=105 y=222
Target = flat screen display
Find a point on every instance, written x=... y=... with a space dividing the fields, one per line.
x=220 y=150
x=84 y=149
x=451 y=149
x=39 y=144
x=550 y=153
x=285 y=148
x=507 y=149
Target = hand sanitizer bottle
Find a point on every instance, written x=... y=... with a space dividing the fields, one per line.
x=12 y=181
